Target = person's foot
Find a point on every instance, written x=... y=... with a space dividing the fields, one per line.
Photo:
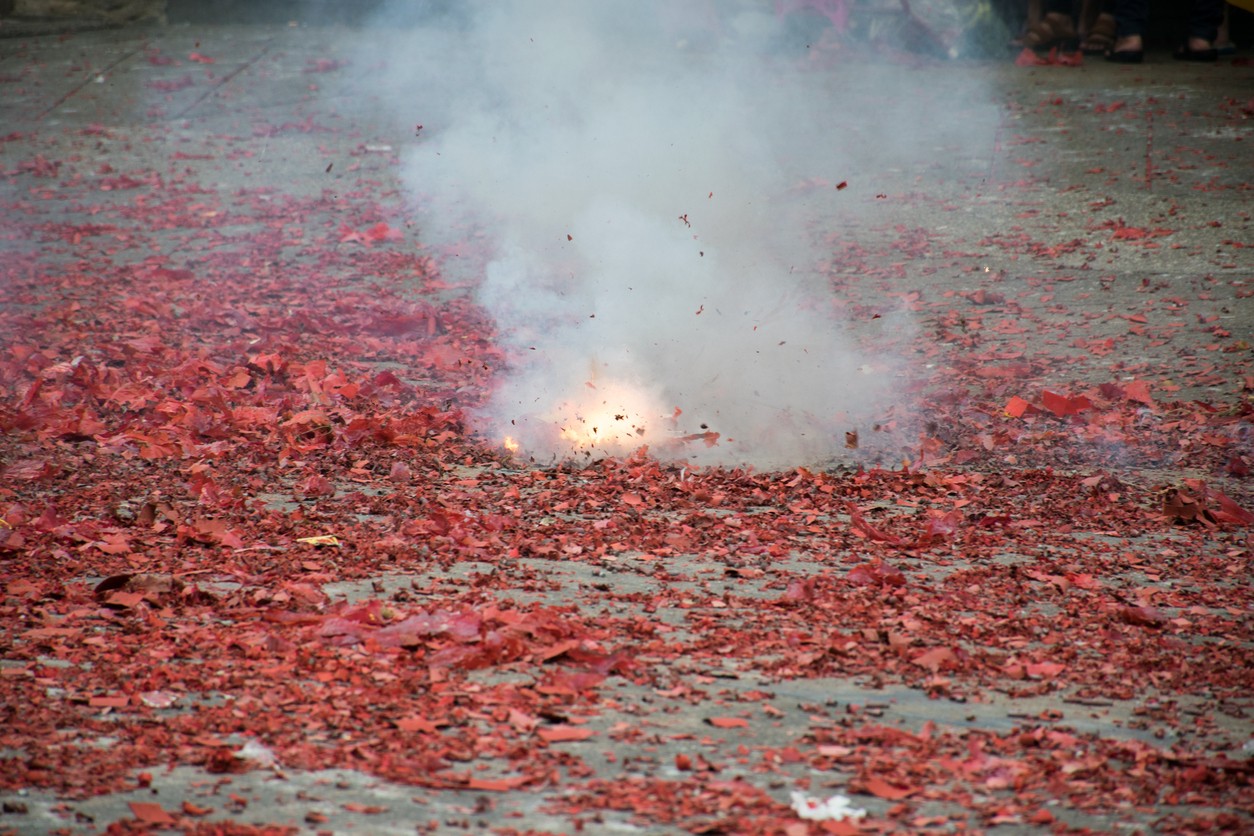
x=1129 y=43
x=1053 y=30
x=1129 y=49
x=1100 y=37
x=1223 y=44
x=1197 y=49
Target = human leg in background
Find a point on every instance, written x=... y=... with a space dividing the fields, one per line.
x=1132 y=15
x=1223 y=41
x=1031 y=16
x=1097 y=28
x=1130 y=19
x=1204 y=19
x=1056 y=28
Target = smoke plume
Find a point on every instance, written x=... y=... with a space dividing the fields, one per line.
x=623 y=176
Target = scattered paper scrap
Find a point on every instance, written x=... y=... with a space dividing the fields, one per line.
x=836 y=808
x=320 y=540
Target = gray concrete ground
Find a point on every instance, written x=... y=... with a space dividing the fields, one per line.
x=1069 y=155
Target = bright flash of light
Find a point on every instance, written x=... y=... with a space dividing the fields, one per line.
x=612 y=417
x=606 y=418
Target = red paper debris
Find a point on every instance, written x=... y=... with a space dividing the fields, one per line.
x=1063 y=405
x=150 y=812
x=880 y=788
x=562 y=734
x=1016 y=407
x=866 y=574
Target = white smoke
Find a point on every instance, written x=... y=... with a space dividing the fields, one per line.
x=622 y=175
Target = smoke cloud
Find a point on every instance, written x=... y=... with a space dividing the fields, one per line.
x=623 y=176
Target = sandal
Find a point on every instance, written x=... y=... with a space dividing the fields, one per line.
x=1130 y=49
x=1101 y=38
x=1055 y=30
